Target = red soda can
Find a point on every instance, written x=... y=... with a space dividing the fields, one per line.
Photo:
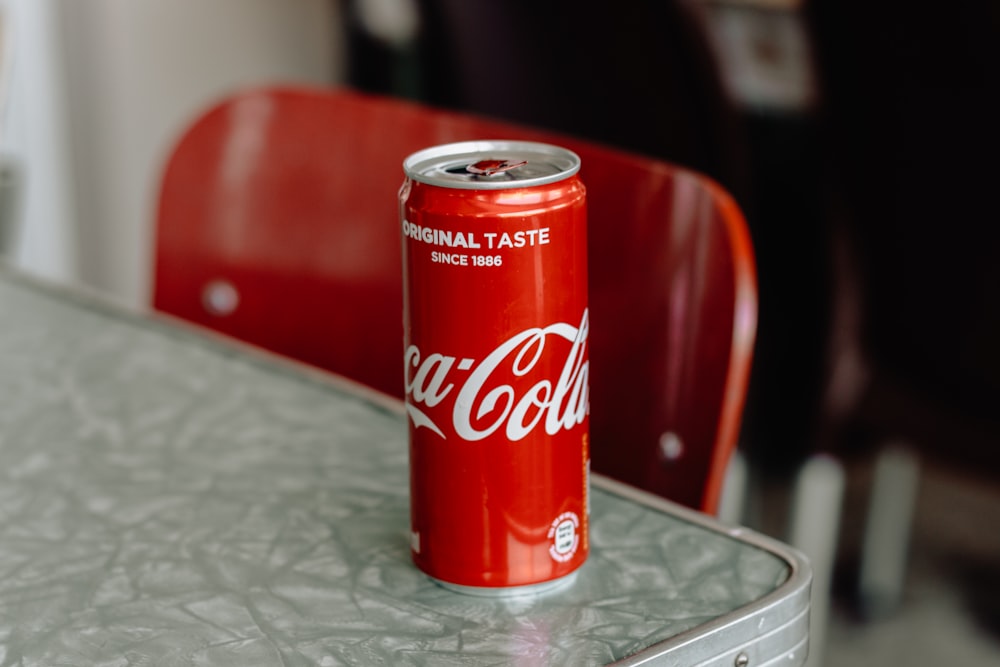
x=496 y=364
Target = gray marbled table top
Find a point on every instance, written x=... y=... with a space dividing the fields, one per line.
x=166 y=499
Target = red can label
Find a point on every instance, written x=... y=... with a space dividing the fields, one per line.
x=496 y=363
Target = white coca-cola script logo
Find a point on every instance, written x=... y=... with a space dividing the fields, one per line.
x=558 y=405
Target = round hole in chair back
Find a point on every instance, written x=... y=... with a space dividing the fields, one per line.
x=671 y=447
x=220 y=297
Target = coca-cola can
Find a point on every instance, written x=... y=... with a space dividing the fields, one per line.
x=496 y=364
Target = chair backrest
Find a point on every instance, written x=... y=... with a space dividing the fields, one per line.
x=277 y=224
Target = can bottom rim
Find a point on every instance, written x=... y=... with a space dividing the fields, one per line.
x=511 y=591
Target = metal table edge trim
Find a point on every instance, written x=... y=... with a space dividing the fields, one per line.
x=725 y=631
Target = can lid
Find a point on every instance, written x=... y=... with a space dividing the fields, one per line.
x=491 y=165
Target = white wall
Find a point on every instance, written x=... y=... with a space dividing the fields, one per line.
x=34 y=137
x=134 y=72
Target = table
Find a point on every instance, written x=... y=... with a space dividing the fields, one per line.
x=168 y=497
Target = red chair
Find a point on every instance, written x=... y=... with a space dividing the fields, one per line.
x=277 y=225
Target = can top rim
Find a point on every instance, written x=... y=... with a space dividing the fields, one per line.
x=447 y=165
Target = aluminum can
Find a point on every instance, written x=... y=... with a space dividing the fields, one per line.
x=496 y=364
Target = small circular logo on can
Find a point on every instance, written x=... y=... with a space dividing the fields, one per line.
x=565 y=536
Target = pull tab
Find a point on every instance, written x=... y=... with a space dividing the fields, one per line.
x=493 y=167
